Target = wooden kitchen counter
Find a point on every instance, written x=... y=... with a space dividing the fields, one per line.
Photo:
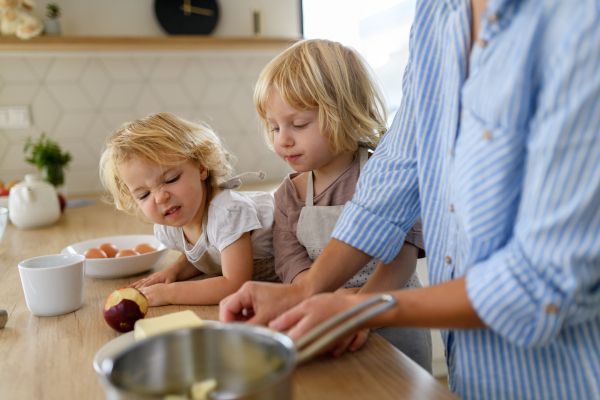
x=51 y=357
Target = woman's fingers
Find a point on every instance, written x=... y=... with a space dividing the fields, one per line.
x=289 y=319
x=258 y=302
x=231 y=307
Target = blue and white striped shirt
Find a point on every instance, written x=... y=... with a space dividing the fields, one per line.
x=498 y=149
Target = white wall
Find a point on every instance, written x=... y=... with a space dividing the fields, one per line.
x=78 y=98
x=281 y=18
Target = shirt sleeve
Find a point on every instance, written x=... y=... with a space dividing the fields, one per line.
x=386 y=202
x=232 y=220
x=291 y=257
x=548 y=274
x=165 y=237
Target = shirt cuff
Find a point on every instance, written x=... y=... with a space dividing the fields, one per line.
x=369 y=232
x=513 y=300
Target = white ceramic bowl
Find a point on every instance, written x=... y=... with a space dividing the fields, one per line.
x=123 y=266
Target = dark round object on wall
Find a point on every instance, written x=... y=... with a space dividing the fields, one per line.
x=187 y=17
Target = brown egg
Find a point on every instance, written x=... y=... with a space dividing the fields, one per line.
x=144 y=248
x=110 y=249
x=94 y=253
x=127 y=253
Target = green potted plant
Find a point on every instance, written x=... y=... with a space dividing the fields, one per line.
x=49 y=159
x=52 y=24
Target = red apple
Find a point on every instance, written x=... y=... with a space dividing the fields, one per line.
x=123 y=307
x=62 y=201
x=4 y=192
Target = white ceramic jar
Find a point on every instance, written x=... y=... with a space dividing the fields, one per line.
x=33 y=203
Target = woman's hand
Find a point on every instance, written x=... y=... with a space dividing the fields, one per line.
x=167 y=275
x=313 y=311
x=156 y=294
x=259 y=302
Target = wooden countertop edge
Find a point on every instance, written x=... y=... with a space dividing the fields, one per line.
x=132 y=43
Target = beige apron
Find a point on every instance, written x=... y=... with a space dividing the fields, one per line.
x=316 y=224
x=210 y=261
x=315 y=227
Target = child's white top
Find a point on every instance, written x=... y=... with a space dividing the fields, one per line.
x=230 y=215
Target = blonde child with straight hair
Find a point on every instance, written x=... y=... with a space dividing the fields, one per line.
x=178 y=175
x=322 y=113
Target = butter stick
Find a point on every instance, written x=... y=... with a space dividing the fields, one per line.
x=200 y=390
x=147 y=327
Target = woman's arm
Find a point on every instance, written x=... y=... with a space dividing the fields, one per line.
x=394 y=275
x=237 y=263
x=335 y=265
x=440 y=306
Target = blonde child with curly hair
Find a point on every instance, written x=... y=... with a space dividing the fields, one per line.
x=178 y=175
x=323 y=114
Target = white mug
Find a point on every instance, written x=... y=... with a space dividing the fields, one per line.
x=53 y=284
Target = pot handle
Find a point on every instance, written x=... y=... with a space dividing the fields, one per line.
x=305 y=353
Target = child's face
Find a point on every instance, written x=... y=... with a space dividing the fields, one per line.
x=296 y=136
x=171 y=195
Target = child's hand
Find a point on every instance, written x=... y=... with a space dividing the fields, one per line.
x=156 y=294
x=351 y=343
x=165 y=276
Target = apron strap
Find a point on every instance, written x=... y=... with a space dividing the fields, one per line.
x=363 y=154
x=235 y=182
x=309 y=191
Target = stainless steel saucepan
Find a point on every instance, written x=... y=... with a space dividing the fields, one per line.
x=248 y=362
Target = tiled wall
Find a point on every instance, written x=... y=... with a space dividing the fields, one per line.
x=79 y=98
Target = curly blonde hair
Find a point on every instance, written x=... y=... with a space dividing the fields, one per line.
x=165 y=140
x=334 y=78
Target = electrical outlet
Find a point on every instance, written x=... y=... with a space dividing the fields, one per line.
x=15 y=117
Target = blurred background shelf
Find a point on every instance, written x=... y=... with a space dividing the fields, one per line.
x=141 y=43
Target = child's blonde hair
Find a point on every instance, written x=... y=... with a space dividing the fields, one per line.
x=334 y=78
x=165 y=140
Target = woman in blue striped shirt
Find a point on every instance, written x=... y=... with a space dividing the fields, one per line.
x=496 y=146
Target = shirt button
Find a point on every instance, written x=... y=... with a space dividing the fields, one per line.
x=451 y=207
x=487 y=135
x=482 y=42
x=448 y=260
x=552 y=309
x=451 y=151
x=493 y=17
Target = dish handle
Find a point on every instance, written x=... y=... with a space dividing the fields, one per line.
x=306 y=349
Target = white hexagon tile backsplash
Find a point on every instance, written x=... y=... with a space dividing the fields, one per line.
x=79 y=99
